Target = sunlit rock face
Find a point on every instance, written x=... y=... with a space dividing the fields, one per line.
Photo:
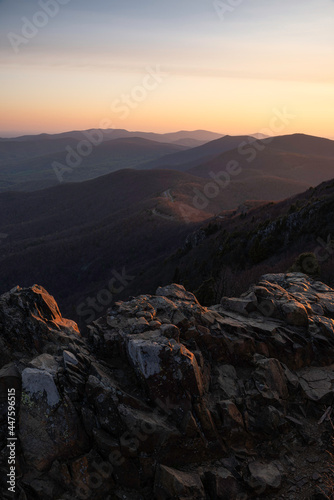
x=31 y=323
x=163 y=398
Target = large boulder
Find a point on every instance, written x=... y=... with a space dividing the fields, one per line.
x=264 y=477
x=168 y=369
x=31 y=323
x=49 y=426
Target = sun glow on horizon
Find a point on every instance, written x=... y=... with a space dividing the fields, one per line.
x=110 y=64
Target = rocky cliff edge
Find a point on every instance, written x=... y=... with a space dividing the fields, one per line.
x=163 y=398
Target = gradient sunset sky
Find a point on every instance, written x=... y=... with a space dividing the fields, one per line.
x=223 y=71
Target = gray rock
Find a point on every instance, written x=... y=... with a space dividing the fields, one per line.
x=45 y=362
x=223 y=485
x=295 y=313
x=264 y=476
x=70 y=358
x=270 y=378
x=242 y=306
x=170 y=388
x=172 y=483
x=169 y=371
x=176 y=292
x=228 y=381
x=37 y=382
x=317 y=383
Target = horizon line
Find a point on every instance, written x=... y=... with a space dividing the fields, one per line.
x=38 y=134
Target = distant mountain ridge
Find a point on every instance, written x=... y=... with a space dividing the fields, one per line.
x=303 y=144
x=201 y=136
x=27 y=162
x=183 y=160
x=291 y=162
x=26 y=165
x=292 y=159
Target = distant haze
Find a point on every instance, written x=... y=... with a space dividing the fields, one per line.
x=166 y=66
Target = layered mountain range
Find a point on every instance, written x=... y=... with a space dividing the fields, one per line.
x=154 y=226
x=198 y=274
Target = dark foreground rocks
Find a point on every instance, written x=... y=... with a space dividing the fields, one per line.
x=166 y=399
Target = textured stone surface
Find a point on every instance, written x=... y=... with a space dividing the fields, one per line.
x=39 y=383
x=177 y=484
x=164 y=398
x=264 y=476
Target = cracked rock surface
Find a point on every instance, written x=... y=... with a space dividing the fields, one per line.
x=163 y=398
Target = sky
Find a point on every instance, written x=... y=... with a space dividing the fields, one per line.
x=229 y=66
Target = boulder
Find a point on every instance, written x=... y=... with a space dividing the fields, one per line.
x=270 y=378
x=264 y=476
x=227 y=381
x=167 y=369
x=31 y=323
x=176 y=292
x=45 y=362
x=172 y=483
x=295 y=313
x=317 y=383
x=222 y=485
x=49 y=427
x=39 y=383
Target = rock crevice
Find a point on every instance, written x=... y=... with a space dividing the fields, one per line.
x=163 y=398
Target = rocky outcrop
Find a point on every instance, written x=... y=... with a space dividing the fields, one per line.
x=31 y=323
x=164 y=398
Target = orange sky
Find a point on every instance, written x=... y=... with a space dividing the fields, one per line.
x=87 y=68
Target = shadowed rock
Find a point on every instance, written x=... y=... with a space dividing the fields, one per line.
x=164 y=398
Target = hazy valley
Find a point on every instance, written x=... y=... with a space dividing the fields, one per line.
x=73 y=237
